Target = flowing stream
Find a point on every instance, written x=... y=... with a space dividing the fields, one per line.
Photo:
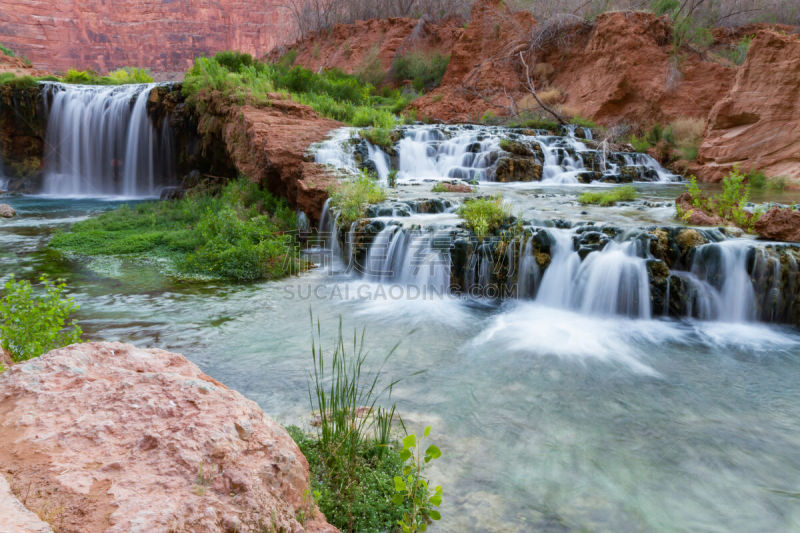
x=571 y=405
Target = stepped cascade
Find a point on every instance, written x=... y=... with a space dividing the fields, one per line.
x=100 y=141
x=585 y=267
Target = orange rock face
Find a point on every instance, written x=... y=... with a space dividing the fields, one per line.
x=779 y=225
x=757 y=124
x=164 y=35
x=352 y=47
x=625 y=73
x=114 y=438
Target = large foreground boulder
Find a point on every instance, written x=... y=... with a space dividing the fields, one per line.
x=109 y=437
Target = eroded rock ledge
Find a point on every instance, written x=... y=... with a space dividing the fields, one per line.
x=110 y=437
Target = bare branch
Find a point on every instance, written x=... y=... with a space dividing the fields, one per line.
x=532 y=89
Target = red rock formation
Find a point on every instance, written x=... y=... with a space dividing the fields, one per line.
x=351 y=47
x=779 y=225
x=625 y=72
x=696 y=216
x=269 y=145
x=114 y=438
x=483 y=65
x=757 y=124
x=159 y=34
x=14 y=516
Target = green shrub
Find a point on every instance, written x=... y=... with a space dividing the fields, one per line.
x=439 y=187
x=378 y=136
x=127 y=75
x=243 y=234
x=233 y=60
x=17 y=82
x=640 y=144
x=607 y=198
x=371 y=71
x=331 y=93
x=7 y=51
x=730 y=203
x=584 y=122
x=737 y=52
x=287 y=60
x=484 y=215
x=351 y=198
x=425 y=70
x=122 y=76
x=32 y=324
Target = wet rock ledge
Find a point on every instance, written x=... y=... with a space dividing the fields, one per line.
x=110 y=437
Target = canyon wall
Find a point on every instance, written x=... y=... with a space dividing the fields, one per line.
x=163 y=35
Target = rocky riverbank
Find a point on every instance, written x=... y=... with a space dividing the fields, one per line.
x=109 y=437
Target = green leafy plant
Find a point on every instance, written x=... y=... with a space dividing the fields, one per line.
x=7 y=51
x=393 y=178
x=729 y=204
x=412 y=488
x=439 y=187
x=120 y=76
x=351 y=198
x=32 y=324
x=608 y=198
x=424 y=69
x=484 y=215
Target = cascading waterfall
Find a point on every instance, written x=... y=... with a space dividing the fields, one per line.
x=721 y=285
x=101 y=142
x=473 y=153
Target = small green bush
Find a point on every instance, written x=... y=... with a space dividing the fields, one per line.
x=484 y=215
x=7 y=51
x=425 y=70
x=439 y=187
x=122 y=76
x=32 y=324
x=351 y=198
x=730 y=203
x=584 y=122
x=737 y=52
x=378 y=136
x=607 y=198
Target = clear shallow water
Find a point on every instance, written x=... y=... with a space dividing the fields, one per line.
x=549 y=420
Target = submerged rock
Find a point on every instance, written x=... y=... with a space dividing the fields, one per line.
x=6 y=211
x=124 y=439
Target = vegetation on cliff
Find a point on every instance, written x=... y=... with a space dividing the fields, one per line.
x=35 y=322
x=331 y=93
x=242 y=234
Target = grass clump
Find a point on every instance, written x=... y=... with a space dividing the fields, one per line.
x=608 y=198
x=18 y=82
x=7 y=51
x=484 y=215
x=353 y=459
x=32 y=324
x=331 y=93
x=424 y=70
x=242 y=234
x=378 y=136
x=351 y=198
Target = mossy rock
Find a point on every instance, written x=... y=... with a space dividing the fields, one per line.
x=517 y=169
x=688 y=239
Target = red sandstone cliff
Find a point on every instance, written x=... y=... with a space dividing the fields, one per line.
x=757 y=124
x=164 y=35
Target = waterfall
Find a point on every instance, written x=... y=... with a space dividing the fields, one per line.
x=473 y=152
x=101 y=142
x=721 y=284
